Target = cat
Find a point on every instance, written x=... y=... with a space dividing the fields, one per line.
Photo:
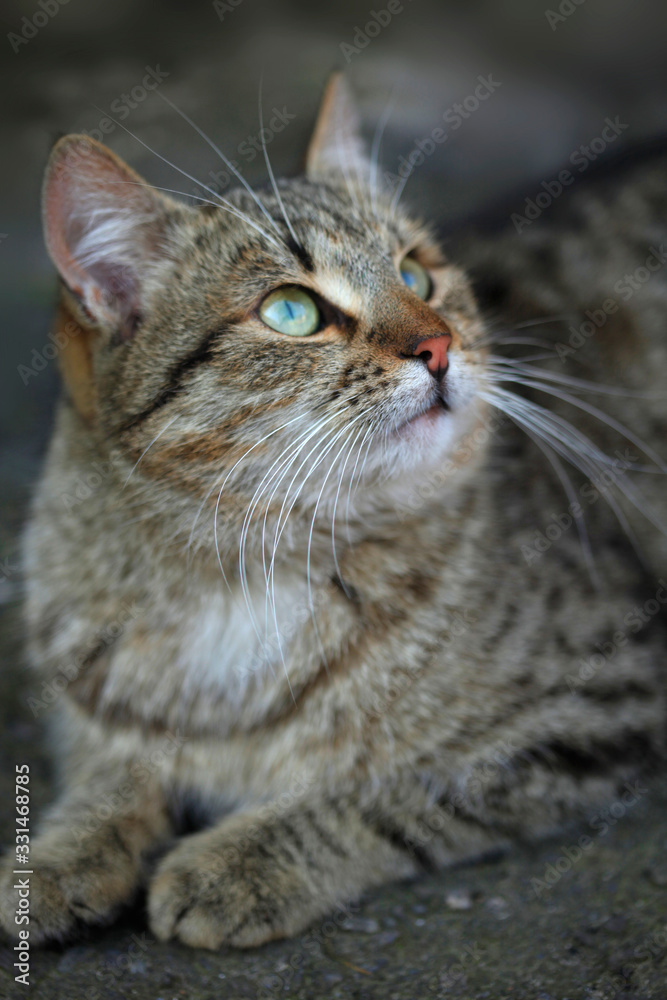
x=283 y=576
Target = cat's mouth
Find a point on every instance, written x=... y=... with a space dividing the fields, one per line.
x=426 y=415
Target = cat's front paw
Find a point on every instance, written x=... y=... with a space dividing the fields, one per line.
x=68 y=888
x=209 y=894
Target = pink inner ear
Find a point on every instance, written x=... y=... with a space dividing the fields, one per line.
x=58 y=222
x=102 y=229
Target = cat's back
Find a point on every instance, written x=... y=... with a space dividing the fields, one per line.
x=579 y=290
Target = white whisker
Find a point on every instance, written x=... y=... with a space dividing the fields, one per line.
x=333 y=515
x=265 y=482
x=222 y=201
x=575 y=447
x=599 y=414
x=261 y=441
x=375 y=148
x=158 y=435
x=222 y=156
x=521 y=366
x=280 y=527
x=272 y=599
x=284 y=470
x=530 y=341
x=398 y=193
x=543 y=321
x=566 y=483
x=270 y=170
x=310 y=545
x=368 y=434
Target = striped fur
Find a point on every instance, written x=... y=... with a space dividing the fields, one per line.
x=344 y=666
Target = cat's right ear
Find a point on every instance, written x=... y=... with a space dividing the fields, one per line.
x=336 y=146
x=105 y=230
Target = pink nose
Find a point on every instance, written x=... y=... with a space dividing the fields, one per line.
x=434 y=352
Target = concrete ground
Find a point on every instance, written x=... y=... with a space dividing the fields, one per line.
x=494 y=930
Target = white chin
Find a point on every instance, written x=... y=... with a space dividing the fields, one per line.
x=426 y=440
x=426 y=428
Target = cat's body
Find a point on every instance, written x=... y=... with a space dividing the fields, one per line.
x=595 y=267
x=407 y=697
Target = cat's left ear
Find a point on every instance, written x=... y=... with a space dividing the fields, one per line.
x=336 y=146
x=106 y=231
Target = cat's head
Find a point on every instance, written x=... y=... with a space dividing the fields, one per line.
x=266 y=343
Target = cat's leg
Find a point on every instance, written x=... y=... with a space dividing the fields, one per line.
x=258 y=876
x=87 y=859
x=268 y=874
x=255 y=877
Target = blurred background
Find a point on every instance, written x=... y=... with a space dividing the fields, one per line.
x=547 y=74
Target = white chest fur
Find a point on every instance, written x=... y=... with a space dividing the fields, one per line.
x=233 y=641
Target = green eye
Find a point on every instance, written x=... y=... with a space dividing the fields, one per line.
x=415 y=277
x=291 y=311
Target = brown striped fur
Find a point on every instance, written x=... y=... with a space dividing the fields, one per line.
x=423 y=712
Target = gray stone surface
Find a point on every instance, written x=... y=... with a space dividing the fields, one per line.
x=600 y=931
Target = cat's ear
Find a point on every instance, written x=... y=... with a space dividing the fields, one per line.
x=336 y=146
x=105 y=230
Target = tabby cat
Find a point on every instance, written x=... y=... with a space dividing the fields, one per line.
x=329 y=525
